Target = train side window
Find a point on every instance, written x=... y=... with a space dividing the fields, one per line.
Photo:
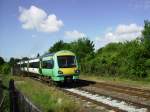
x=34 y=65
x=48 y=64
x=44 y=64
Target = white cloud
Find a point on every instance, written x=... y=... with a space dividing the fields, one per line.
x=132 y=28
x=36 y=18
x=73 y=35
x=122 y=33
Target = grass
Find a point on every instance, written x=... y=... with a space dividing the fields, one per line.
x=145 y=83
x=47 y=99
x=5 y=80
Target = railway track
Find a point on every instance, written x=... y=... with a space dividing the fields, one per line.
x=129 y=94
x=122 y=89
x=112 y=103
x=106 y=101
x=118 y=99
x=88 y=99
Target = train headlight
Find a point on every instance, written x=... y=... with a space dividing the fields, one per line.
x=60 y=72
x=77 y=71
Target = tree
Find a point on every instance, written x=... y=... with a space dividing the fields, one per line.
x=38 y=55
x=25 y=58
x=1 y=61
x=83 y=47
x=11 y=61
x=146 y=31
x=5 y=69
x=146 y=35
x=60 y=45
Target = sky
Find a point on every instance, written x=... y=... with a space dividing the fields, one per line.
x=29 y=27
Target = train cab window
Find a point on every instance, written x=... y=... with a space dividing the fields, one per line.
x=48 y=64
x=66 y=61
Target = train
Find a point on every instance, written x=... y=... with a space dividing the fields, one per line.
x=58 y=67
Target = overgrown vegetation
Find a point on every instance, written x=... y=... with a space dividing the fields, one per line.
x=144 y=83
x=49 y=99
x=5 y=67
x=5 y=80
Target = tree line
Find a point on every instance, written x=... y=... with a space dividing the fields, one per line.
x=130 y=59
x=5 y=66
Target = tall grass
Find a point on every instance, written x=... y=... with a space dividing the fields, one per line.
x=48 y=99
x=145 y=83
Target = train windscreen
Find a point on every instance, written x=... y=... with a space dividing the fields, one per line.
x=66 y=61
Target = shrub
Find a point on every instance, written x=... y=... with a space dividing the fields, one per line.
x=5 y=68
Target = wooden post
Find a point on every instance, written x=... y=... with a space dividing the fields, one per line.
x=13 y=94
x=1 y=92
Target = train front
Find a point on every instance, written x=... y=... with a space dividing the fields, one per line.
x=67 y=66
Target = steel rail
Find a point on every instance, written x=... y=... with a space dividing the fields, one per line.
x=121 y=89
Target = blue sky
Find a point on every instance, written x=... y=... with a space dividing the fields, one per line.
x=29 y=27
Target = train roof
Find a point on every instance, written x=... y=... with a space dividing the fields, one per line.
x=34 y=60
x=61 y=52
x=64 y=52
x=57 y=53
x=47 y=54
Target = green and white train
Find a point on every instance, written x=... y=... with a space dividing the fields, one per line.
x=58 y=66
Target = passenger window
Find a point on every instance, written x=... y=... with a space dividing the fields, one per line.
x=48 y=64
x=34 y=65
x=44 y=64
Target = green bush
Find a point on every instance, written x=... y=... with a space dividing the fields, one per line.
x=147 y=63
x=127 y=59
x=5 y=68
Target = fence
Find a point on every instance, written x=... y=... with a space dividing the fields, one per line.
x=18 y=102
x=1 y=95
x=1 y=91
x=25 y=105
